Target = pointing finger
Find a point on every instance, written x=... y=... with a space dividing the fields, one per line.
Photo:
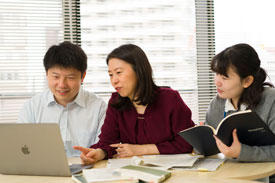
x=82 y=149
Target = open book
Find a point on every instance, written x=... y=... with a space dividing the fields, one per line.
x=251 y=130
x=170 y=161
x=129 y=173
x=163 y=161
x=146 y=174
x=205 y=165
x=97 y=175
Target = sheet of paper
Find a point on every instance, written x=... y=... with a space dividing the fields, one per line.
x=206 y=164
x=169 y=161
x=163 y=161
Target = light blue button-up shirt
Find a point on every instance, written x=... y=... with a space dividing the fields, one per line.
x=80 y=121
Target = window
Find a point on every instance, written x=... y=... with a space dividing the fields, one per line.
x=205 y=33
x=253 y=27
x=177 y=36
x=28 y=28
x=165 y=30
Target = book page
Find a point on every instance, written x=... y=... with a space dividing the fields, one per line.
x=103 y=175
x=199 y=126
x=169 y=161
x=236 y=113
x=163 y=161
x=119 y=162
x=206 y=164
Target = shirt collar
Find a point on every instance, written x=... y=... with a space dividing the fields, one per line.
x=50 y=98
x=79 y=100
x=229 y=106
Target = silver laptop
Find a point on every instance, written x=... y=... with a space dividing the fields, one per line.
x=32 y=149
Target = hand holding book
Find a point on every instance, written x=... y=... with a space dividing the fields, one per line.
x=251 y=130
x=234 y=150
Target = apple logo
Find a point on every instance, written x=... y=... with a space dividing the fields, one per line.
x=25 y=149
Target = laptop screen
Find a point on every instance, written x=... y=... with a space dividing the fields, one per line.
x=32 y=149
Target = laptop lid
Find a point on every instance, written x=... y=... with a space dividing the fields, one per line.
x=32 y=149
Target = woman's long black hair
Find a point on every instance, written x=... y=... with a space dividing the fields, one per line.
x=245 y=62
x=146 y=88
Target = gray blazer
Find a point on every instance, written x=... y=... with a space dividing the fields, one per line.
x=265 y=109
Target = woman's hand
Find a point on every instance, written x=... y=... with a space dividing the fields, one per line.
x=127 y=150
x=234 y=150
x=201 y=123
x=90 y=155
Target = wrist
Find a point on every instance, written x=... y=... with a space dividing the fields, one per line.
x=142 y=150
x=149 y=149
x=103 y=154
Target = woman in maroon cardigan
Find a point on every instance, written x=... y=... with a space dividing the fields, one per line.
x=141 y=118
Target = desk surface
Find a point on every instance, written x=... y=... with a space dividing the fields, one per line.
x=176 y=178
x=230 y=172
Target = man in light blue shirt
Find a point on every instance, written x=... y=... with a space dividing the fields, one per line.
x=79 y=113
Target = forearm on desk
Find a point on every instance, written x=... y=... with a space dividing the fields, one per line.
x=148 y=149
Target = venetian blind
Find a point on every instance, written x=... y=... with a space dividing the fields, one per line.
x=176 y=36
x=71 y=14
x=205 y=32
x=27 y=29
x=165 y=30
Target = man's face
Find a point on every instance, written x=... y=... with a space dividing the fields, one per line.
x=64 y=83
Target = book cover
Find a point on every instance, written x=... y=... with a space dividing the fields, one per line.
x=251 y=130
x=201 y=138
x=147 y=174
